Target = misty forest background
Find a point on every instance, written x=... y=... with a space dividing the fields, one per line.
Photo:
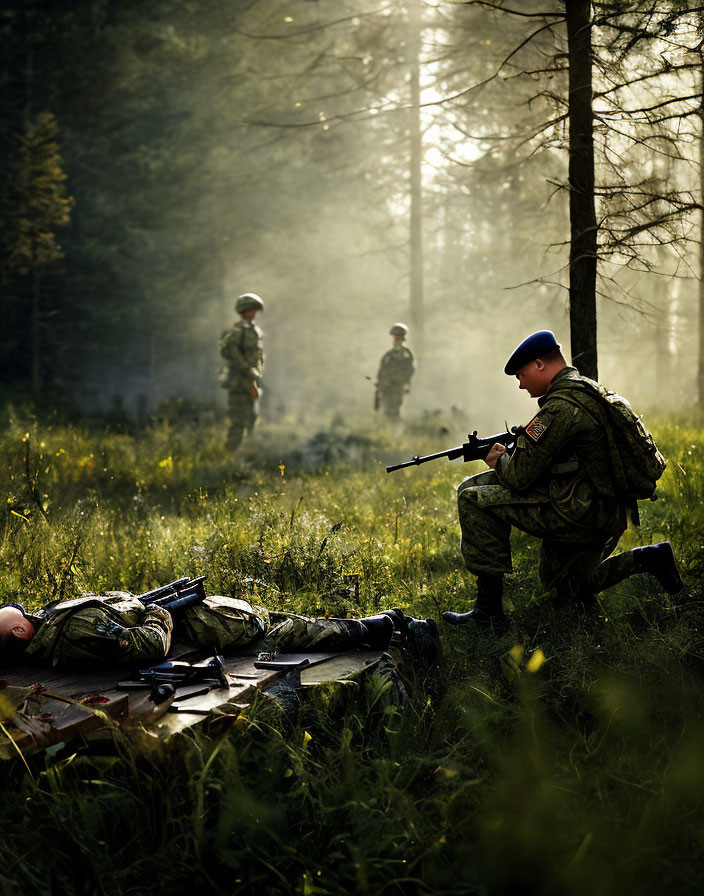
x=354 y=163
x=478 y=170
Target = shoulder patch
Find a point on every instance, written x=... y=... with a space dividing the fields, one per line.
x=536 y=428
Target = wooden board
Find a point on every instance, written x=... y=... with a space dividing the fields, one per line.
x=246 y=680
x=49 y=719
x=56 y=713
x=340 y=666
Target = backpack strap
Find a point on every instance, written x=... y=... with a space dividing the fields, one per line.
x=54 y=611
x=602 y=418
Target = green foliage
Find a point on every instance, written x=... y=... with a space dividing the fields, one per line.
x=39 y=203
x=563 y=757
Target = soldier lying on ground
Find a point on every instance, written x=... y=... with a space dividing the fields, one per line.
x=118 y=629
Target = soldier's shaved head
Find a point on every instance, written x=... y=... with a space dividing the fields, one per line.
x=16 y=631
x=14 y=622
x=535 y=376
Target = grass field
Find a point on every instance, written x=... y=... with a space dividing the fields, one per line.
x=565 y=757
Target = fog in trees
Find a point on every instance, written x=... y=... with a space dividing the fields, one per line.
x=355 y=163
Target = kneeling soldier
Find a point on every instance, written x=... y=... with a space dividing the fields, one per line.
x=563 y=484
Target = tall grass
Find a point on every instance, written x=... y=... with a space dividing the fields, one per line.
x=566 y=756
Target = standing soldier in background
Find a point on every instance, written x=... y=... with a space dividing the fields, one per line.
x=393 y=380
x=241 y=347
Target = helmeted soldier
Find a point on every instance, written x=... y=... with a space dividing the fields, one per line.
x=559 y=484
x=241 y=348
x=393 y=381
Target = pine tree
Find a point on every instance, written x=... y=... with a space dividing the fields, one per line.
x=37 y=206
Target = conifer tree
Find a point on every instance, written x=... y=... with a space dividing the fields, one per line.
x=38 y=205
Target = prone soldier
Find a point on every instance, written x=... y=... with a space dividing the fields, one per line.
x=117 y=629
x=241 y=348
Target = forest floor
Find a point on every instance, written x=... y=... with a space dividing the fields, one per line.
x=564 y=757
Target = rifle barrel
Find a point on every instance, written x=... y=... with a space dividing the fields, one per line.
x=180 y=600
x=156 y=593
x=174 y=590
x=450 y=454
x=475 y=448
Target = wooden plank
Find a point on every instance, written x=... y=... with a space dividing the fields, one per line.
x=340 y=666
x=322 y=667
x=48 y=720
x=66 y=683
x=244 y=680
x=134 y=707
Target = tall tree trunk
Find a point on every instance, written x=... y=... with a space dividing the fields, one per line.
x=34 y=325
x=581 y=184
x=663 y=358
x=34 y=278
x=416 y=140
x=700 y=368
x=665 y=298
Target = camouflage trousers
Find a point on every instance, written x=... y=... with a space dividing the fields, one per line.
x=390 y=401
x=242 y=414
x=572 y=558
x=291 y=633
x=381 y=685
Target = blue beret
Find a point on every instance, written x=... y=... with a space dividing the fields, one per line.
x=540 y=343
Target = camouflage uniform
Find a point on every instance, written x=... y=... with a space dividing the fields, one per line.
x=100 y=631
x=118 y=629
x=228 y=624
x=381 y=684
x=395 y=372
x=558 y=485
x=241 y=347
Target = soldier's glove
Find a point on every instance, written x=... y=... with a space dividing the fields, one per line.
x=109 y=629
x=117 y=635
x=253 y=391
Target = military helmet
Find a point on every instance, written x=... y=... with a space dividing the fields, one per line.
x=250 y=301
x=399 y=330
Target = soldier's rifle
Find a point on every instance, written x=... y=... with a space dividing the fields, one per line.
x=164 y=678
x=176 y=595
x=376 y=391
x=475 y=448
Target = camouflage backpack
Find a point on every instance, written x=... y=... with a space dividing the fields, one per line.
x=222 y=623
x=637 y=463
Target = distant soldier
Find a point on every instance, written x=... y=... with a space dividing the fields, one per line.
x=241 y=347
x=393 y=380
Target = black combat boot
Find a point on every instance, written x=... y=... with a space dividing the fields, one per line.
x=659 y=561
x=488 y=611
x=379 y=630
x=419 y=636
